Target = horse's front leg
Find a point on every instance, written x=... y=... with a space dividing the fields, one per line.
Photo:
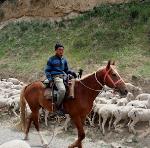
x=36 y=124
x=81 y=134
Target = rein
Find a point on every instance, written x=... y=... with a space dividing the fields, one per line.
x=98 y=90
x=106 y=75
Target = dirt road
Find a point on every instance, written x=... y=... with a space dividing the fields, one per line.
x=7 y=134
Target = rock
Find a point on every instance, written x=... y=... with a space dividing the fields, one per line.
x=56 y=10
x=132 y=139
x=116 y=145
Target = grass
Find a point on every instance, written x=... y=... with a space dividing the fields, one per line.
x=119 y=32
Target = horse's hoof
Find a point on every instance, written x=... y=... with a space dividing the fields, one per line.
x=103 y=134
x=45 y=146
x=26 y=138
x=92 y=125
x=70 y=146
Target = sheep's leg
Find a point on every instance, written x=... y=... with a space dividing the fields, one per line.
x=100 y=124
x=125 y=124
x=46 y=116
x=110 y=123
x=129 y=125
x=116 y=122
x=14 y=112
x=89 y=119
x=103 y=125
x=58 y=119
x=132 y=126
x=68 y=119
x=92 y=123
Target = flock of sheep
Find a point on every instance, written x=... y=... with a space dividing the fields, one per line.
x=10 y=94
x=132 y=109
x=108 y=107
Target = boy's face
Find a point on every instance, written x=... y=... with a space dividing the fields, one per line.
x=59 y=51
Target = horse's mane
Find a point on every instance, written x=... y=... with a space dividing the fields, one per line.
x=87 y=75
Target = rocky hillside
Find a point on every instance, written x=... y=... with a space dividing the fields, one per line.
x=47 y=8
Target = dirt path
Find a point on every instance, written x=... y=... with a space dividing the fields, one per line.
x=7 y=134
x=60 y=140
x=94 y=138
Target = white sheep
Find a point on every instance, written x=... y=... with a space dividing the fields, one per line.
x=99 y=102
x=13 y=92
x=124 y=101
x=103 y=100
x=121 y=113
x=4 y=80
x=136 y=115
x=18 y=87
x=133 y=89
x=15 y=144
x=96 y=107
x=13 y=80
x=3 y=102
x=144 y=96
x=6 y=84
x=140 y=104
x=105 y=112
x=106 y=94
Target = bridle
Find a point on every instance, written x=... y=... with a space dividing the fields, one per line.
x=114 y=83
x=105 y=76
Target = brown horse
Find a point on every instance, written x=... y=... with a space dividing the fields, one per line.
x=85 y=91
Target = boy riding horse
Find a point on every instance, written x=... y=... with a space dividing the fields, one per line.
x=56 y=69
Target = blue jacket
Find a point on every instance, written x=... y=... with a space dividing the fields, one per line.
x=55 y=66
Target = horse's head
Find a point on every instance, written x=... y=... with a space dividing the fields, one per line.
x=110 y=77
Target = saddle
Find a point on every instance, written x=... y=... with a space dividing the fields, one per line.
x=51 y=92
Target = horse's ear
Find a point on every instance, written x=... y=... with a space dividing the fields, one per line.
x=113 y=63
x=108 y=65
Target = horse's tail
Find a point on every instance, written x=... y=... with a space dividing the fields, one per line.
x=22 y=124
x=23 y=108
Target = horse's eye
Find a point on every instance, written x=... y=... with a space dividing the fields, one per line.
x=114 y=75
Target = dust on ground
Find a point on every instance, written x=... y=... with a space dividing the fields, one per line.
x=94 y=137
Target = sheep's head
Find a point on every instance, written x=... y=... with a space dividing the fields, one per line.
x=130 y=96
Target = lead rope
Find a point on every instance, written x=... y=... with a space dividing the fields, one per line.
x=53 y=98
x=98 y=81
x=53 y=134
x=89 y=87
x=98 y=90
x=53 y=131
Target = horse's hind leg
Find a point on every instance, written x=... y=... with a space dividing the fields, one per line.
x=35 y=117
x=28 y=127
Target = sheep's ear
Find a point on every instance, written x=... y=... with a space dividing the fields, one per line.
x=113 y=63
x=108 y=64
